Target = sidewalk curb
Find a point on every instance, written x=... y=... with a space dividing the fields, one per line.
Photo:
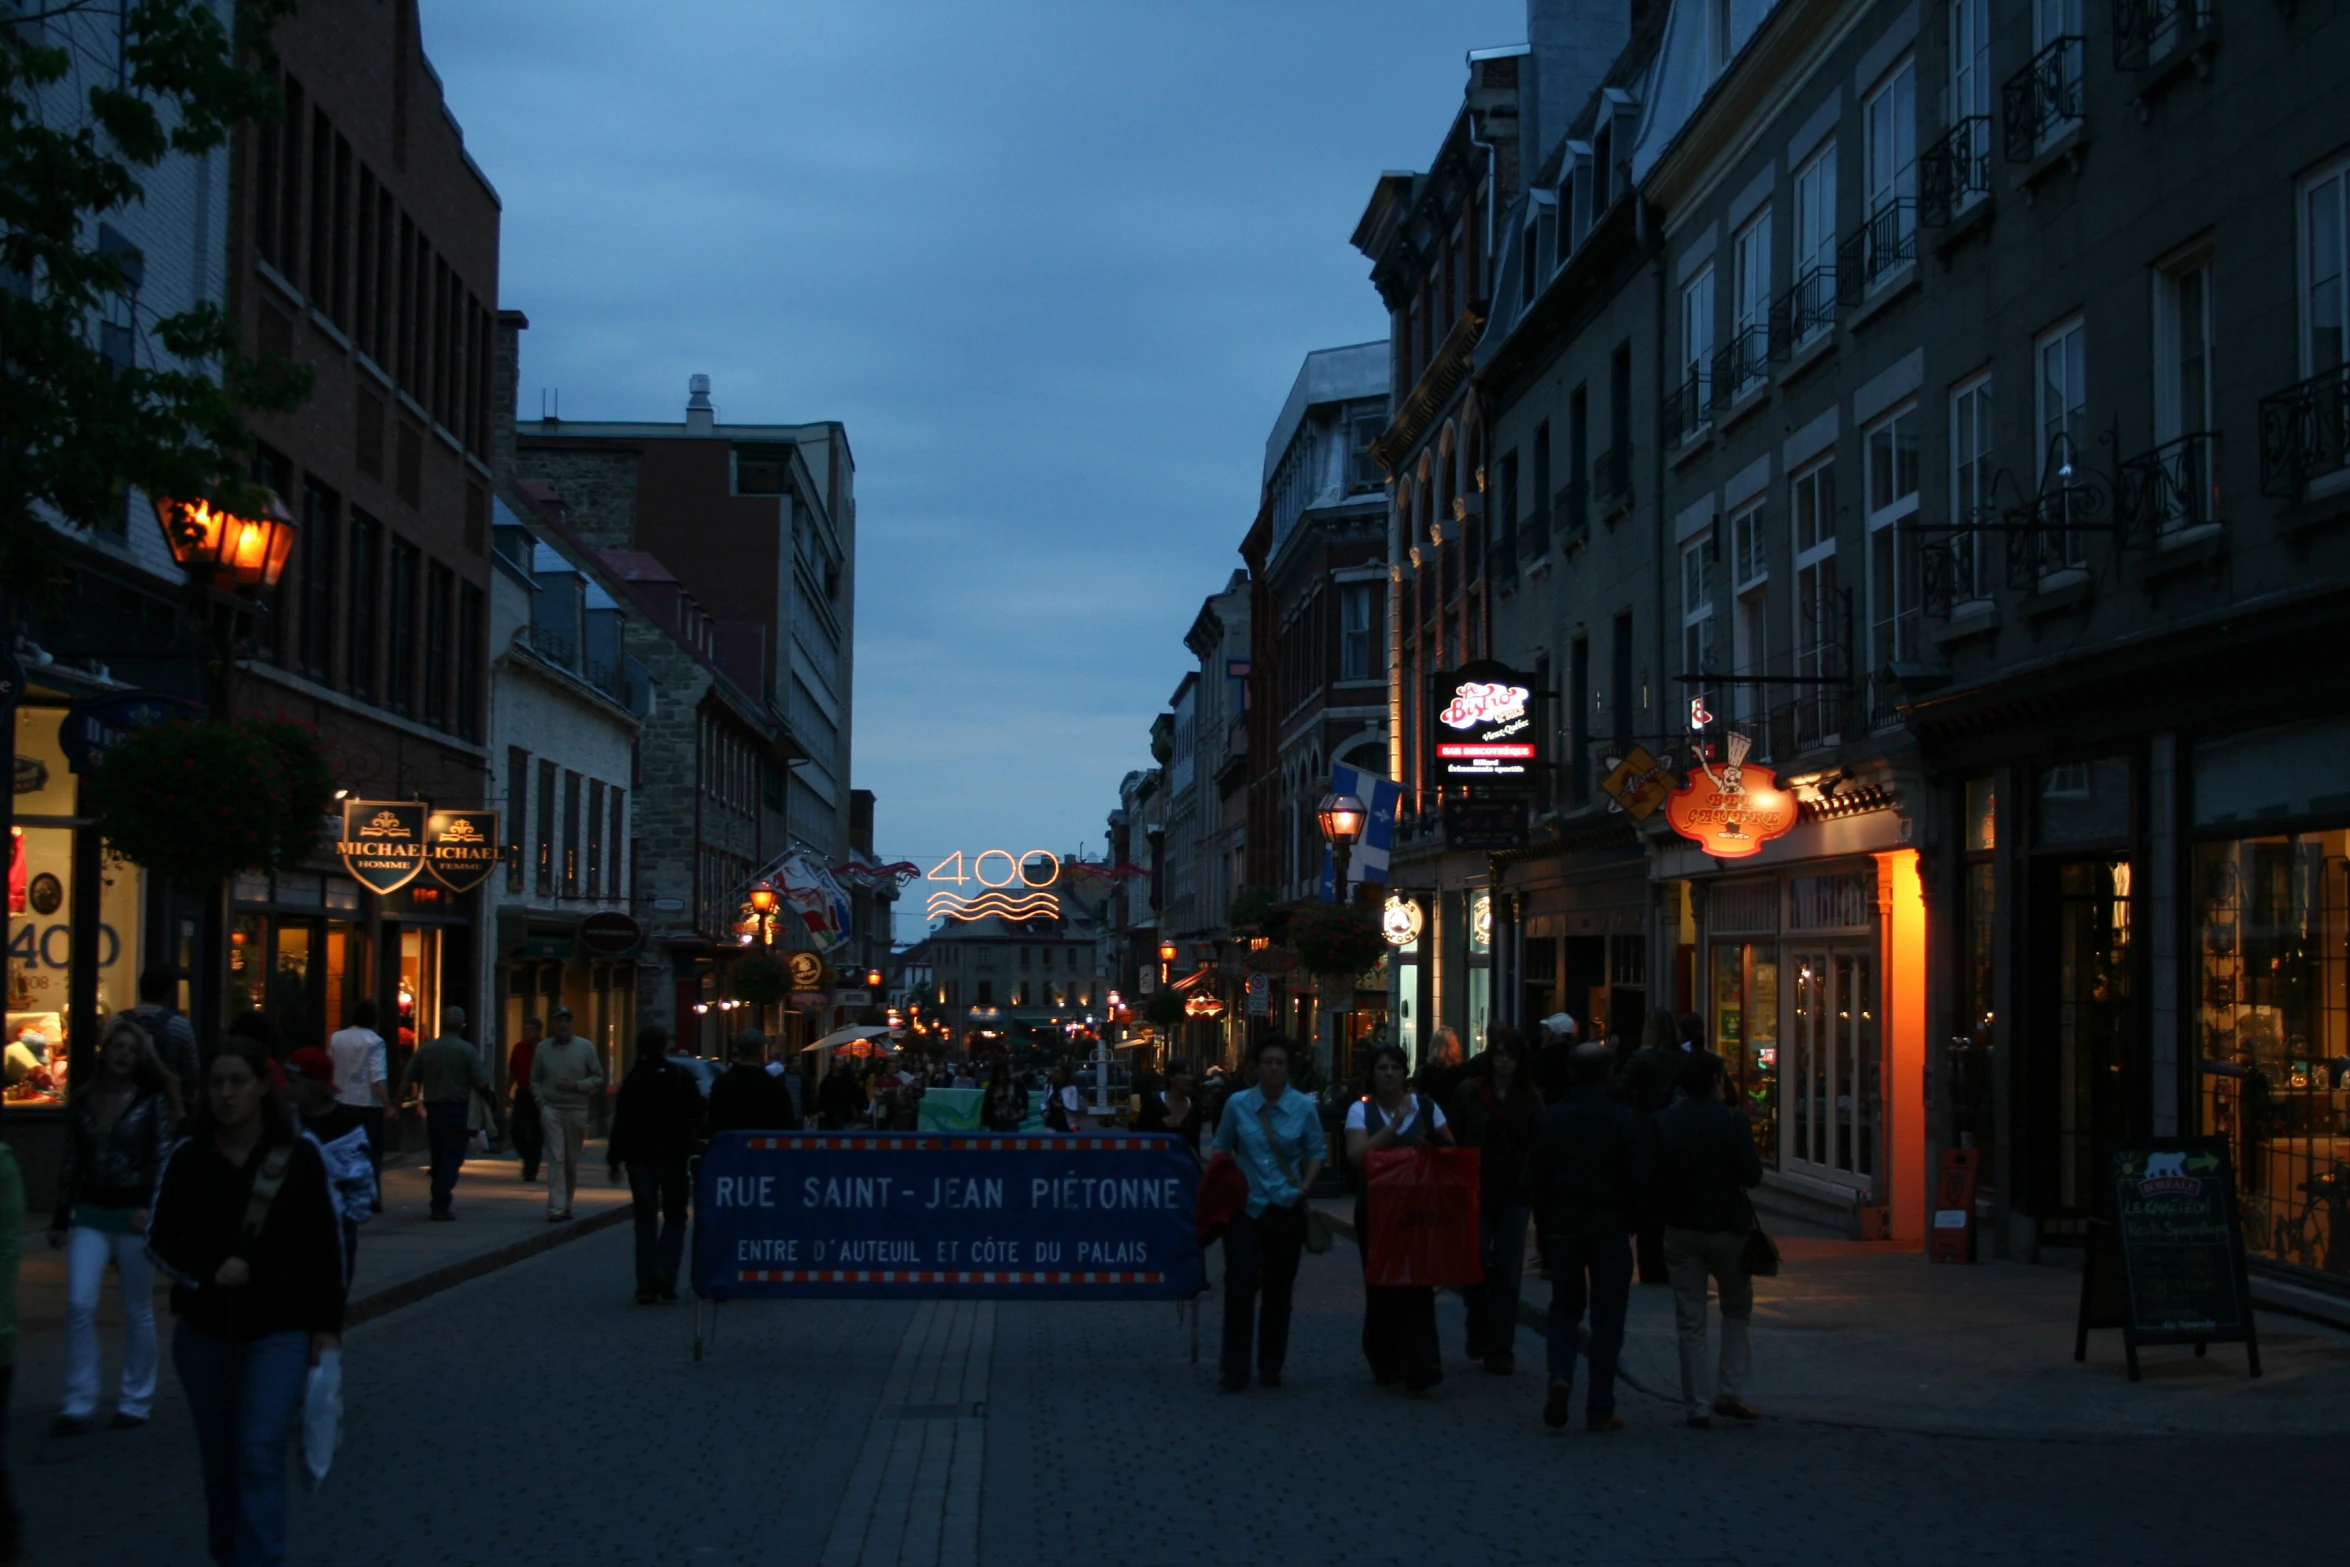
x=408 y=1292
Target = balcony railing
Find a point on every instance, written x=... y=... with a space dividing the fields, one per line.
x=2169 y=489
x=2043 y=100
x=1742 y=364
x=1951 y=570
x=1807 y=309
x=1688 y=407
x=1885 y=241
x=2145 y=31
x=1611 y=479
x=2305 y=433
x=1955 y=172
x=554 y=646
x=2049 y=533
x=1570 y=514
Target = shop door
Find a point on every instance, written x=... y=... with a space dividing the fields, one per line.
x=2086 y=1019
x=1831 y=1082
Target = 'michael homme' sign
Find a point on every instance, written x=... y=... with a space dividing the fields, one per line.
x=386 y=844
x=1484 y=731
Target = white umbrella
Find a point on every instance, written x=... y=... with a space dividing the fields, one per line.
x=842 y=1036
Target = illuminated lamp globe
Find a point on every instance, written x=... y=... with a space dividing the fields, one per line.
x=239 y=552
x=1342 y=817
x=764 y=897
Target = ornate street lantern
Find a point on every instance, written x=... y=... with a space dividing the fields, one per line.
x=240 y=552
x=1342 y=817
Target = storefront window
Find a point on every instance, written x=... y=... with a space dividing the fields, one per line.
x=2274 y=915
x=1746 y=1033
x=1973 y=1051
x=1834 y=1071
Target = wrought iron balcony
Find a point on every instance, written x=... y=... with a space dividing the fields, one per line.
x=1688 y=407
x=2043 y=100
x=1611 y=479
x=2145 y=31
x=554 y=646
x=1951 y=571
x=1885 y=241
x=1955 y=172
x=1807 y=309
x=2169 y=489
x=1570 y=514
x=2049 y=533
x=2305 y=433
x=1742 y=364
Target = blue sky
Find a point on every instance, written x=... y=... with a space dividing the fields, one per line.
x=1054 y=265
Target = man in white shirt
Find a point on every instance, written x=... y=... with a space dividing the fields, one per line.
x=361 y=1081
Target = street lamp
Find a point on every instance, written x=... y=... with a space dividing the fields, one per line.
x=762 y=906
x=1342 y=817
x=239 y=552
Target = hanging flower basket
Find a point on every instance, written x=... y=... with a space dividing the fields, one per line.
x=203 y=800
x=759 y=978
x=1164 y=1009
x=1336 y=938
x=1270 y=960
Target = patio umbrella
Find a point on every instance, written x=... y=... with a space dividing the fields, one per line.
x=842 y=1036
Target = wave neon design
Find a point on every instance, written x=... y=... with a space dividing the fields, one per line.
x=995 y=903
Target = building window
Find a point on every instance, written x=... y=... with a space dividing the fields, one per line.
x=321 y=513
x=2180 y=478
x=1538 y=517
x=1750 y=284
x=1812 y=299
x=361 y=631
x=1362 y=469
x=2057 y=35
x=400 y=673
x=1697 y=351
x=1620 y=678
x=1579 y=726
x=2325 y=274
x=1697 y=608
x=1891 y=479
x=1820 y=632
x=1750 y=580
x=619 y=837
x=1970 y=96
x=517 y=813
x=1970 y=489
x=2062 y=417
x=546 y=833
x=439 y=610
x=571 y=783
x=594 y=877
x=1358 y=631
x=1890 y=165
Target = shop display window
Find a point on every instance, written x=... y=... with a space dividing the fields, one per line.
x=1746 y=1033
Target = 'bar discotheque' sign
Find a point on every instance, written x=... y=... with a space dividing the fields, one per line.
x=1484 y=730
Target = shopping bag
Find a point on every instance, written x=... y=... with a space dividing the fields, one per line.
x=322 y=1418
x=1422 y=1216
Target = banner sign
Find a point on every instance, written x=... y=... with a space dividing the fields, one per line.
x=913 y=1215
x=1484 y=731
x=383 y=842
x=1490 y=825
x=461 y=848
x=1731 y=812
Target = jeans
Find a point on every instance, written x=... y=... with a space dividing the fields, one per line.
x=566 y=1133
x=1590 y=1263
x=1691 y=1255
x=658 y=1187
x=1493 y=1305
x=87 y=1252
x=446 y=1134
x=1260 y=1255
x=244 y=1400
x=522 y=1127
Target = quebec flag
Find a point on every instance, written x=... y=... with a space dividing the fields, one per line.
x=1380 y=796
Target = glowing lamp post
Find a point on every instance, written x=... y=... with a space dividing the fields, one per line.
x=238 y=553
x=1342 y=817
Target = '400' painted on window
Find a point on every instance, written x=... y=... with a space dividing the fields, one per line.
x=52 y=946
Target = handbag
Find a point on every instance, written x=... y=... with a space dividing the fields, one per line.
x=1318 y=1233
x=1760 y=1255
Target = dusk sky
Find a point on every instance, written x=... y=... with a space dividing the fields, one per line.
x=1054 y=265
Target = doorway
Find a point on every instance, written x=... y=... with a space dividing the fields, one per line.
x=1834 y=1096
x=2083 y=991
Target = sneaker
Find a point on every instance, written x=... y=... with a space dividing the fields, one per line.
x=1604 y=1423
x=1554 y=1407
x=123 y=1422
x=1736 y=1409
x=73 y=1425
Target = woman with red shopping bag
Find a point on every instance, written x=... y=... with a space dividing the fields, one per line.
x=1399 y=1321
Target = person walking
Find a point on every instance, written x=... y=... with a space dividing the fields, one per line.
x=172 y=1035
x=1442 y=1071
x=1061 y=1100
x=445 y=1076
x=1552 y=1078
x=1646 y=1082
x=118 y=1131
x=245 y=1225
x=747 y=1097
x=363 y=1081
x=1498 y=1112
x=1274 y=1134
x=523 y=1127
x=1399 y=1320
x=1706 y=1164
x=840 y=1098
x=656 y=1127
x=1174 y=1108
x=1591 y=1161
x=335 y=1126
x=566 y=1074
x=1003 y=1107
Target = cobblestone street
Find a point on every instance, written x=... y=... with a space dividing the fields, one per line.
x=536 y=1416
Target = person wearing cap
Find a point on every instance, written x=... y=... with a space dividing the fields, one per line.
x=446 y=1075
x=565 y=1076
x=1551 y=1075
x=1592 y=1164
x=341 y=1133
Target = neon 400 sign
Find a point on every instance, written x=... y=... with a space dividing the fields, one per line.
x=1008 y=883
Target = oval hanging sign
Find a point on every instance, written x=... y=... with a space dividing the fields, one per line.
x=610 y=934
x=1731 y=812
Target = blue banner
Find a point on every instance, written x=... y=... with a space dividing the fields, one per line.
x=913 y=1214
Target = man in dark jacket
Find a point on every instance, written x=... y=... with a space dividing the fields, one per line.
x=747 y=1097
x=1551 y=1073
x=840 y=1098
x=1592 y=1162
x=656 y=1124
x=1706 y=1164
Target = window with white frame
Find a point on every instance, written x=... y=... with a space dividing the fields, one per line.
x=1697 y=606
x=2325 y=271
x=1815 y=247
x=1750 y=581
x=1890 y=481
x=2060 y=53
x=1970 y=64
x=1820 y=631
x=1697 y=347
x=1751 y=302
x=1358 y=630
x=2179 y=478
x=2062 y=420
x=1970 y=488
x=1889 y=121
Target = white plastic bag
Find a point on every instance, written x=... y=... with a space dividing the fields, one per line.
x=322 y=1418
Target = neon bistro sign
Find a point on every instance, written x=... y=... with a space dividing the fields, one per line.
x=1487 y=707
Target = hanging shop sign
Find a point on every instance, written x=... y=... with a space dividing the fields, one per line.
x=1484 y=731
x=806 y=970
x=1401 y=922
x=461 y=848
x=610 y=934
x=1638 y=783
x=382 y=845
x=1489 y=825
x=1731 y=811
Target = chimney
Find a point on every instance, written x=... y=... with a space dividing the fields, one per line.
x=700 y=417
x=1573 y=44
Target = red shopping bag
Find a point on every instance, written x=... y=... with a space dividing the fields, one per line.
x=1423 y=1216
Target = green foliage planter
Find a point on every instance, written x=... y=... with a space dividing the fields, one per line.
x=761 y=978
x=1336 y=938
x=1164 y=1009
x=201 y=801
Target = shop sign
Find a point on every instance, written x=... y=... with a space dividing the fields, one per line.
x=461 y=848
x=610 y=934
x=2170 y=1268
x=1401 y=922
x=806 y=970
x=382 y=845
x=1733 y=811
x=1490 y=825
x=1484 y=731
x=1638 y=783
x=96 y=723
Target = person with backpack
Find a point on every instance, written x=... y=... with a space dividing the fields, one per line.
x=656 y=1127
x=363 y=1080
x=1499 y=1112
x=1592 y=1163
x=172 y=1035
x=1706 y=1165
x=245 y=1225
x=1399 y=1321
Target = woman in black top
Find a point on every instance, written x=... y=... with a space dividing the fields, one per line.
x=1499 y=1111
x=246 y=1227
x=1004 y=1108
x=1174 y=1108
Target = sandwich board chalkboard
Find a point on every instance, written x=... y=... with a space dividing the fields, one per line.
x=2166 y=1261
